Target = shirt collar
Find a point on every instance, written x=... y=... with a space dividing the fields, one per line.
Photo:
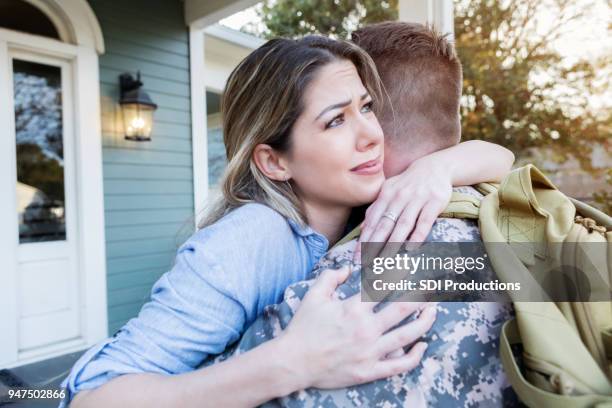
x=317 y=242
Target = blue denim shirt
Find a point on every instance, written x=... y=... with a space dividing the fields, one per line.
x=223 y=277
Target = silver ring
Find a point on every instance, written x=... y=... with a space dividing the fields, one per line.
x=390 y=216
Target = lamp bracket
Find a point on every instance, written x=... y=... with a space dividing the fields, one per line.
x=127 y=83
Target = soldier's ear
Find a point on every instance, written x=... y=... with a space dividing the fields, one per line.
x=271 y=163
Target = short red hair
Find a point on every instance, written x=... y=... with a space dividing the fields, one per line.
x=422 y=76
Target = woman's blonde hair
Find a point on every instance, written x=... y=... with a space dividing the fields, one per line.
x=262 y=100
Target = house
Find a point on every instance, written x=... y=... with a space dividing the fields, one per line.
x=89 y=218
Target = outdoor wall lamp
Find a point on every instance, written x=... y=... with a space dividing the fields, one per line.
x=136 y=108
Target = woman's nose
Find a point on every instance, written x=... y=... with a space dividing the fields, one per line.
x=369 y=133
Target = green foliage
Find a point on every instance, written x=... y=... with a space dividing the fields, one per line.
x=517 y=90
x=336 y=18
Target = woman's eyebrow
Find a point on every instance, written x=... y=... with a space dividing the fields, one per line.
x=339 y=105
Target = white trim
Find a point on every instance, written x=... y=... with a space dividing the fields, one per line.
x=215 y=87
x=200 y=14
x=40 y=45
x=217 y=69
x=436 y=12
x=234 y=36
x=225 y=48
x=90 y=194
x=90 y=198
x=47 y=352
x=8 y=219
x=198 y=120
x=75 y=21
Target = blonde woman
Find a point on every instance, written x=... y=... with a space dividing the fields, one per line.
x=304 y=148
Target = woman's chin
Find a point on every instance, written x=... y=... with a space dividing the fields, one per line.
x=365 y=193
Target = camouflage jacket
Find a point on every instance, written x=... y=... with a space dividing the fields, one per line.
x=461 y=366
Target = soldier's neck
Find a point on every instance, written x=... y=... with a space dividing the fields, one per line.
x=329 y=222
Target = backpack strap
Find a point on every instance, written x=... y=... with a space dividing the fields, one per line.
x=600 y=218
x=462 y=205
x=487 y=188
x=532 y=395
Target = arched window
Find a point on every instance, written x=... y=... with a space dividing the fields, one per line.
x=19 y=15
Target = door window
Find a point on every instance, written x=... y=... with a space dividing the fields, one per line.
x=40 y=151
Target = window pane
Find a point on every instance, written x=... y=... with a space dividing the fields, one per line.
x=216 y=156
x=217 y=160
x=19 y=15
x=40 y=155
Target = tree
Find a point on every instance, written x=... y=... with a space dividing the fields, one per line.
x=336 y=18
x=518 y=90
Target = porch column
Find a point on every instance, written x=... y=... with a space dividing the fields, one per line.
x=436 y=12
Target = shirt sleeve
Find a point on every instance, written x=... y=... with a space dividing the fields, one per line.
x=193 y=312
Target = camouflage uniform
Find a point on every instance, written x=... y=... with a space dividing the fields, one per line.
x=460 y=368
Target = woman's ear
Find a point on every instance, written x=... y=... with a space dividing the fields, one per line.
x=271 y=163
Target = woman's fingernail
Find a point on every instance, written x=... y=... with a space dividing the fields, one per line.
x=422 y=346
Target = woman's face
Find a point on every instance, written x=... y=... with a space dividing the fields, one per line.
x=336 y=153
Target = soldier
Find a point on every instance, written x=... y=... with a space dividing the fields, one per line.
x=461 y=366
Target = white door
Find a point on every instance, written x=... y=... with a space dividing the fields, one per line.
x=41 y=194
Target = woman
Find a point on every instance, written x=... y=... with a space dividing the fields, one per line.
x=304 y=148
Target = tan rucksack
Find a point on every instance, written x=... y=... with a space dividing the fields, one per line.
x=566 y=346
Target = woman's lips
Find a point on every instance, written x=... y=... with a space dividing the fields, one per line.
x=369 y=167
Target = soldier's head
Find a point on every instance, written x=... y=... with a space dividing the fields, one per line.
x=422 y=76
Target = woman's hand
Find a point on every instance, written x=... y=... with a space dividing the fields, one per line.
x=338 y=343
x=417 y=196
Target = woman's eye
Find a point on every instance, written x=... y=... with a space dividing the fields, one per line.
x=338 y=120
x=367 y=107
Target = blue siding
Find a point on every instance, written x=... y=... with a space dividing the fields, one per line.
x=148 y=186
